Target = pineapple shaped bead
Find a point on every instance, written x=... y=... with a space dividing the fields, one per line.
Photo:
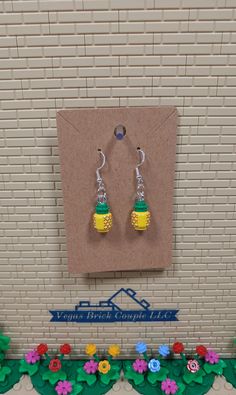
x=102 y=218
x=140 y=216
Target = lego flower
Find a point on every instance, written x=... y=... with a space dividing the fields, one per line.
x=63 y=387
x=169 y=386
x=32 y=357
x=140 y=366
x=178 y=348
x=55 y=365
x=65 y=349
x=91 y=367
x=201 y=351
x=91 y=349
x=114 y=350
x=104 y=366
x=141 y=347
x=42 y=349
x=212 y=357
x=154 y=365
x=164 y=350
x=193 y=366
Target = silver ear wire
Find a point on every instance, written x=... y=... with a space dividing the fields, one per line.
x=102 y=165
x=142 y=159
x=139 y=178
x=101 y=191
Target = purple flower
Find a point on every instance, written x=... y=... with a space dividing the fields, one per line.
x=169 y=386
x=164 y=350
x=140 y=366
x=63 y=387
x=141 y=347
x=32 y=357
x=91 y=367
x=212 y=357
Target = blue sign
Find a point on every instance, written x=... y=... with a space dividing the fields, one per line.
x=109 y=311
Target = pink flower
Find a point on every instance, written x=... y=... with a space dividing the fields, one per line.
x=193 y=365
x=212 y=357
x=169 y=386
x=32 y=357
x=63 y=387
x=91 y=367
x=140 y=366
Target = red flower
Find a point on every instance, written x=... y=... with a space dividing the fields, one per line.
x=55 y=365
x=178 y=348
x=42 y=349
x=201 y=351
x=65 y=349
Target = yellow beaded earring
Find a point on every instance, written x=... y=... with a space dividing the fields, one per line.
x=102 y=218
x=140 y=216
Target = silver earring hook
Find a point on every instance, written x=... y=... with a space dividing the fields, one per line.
x=139 y=178
x=101 y=190
x=102 y=165
x=142 y=159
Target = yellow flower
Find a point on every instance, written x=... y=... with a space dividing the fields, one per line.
x=114 y=350
x=91 y=349
x=104 y=367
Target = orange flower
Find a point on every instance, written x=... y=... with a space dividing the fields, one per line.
x=114 y=350
x=91 y=349
x=104 y=367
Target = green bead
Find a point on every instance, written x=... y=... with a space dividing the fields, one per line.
x=140 y=206
x=102 y=208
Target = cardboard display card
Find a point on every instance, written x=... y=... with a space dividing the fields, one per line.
x=81 y=132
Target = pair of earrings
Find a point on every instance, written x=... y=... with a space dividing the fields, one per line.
x=140 y=216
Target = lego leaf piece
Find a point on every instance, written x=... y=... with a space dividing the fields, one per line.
x=131 y=375
x=29 y=368
x=4 y=372
x=215 y=368
x=197 y=377
x=54 y=377
x=230 y=371
x=158 y=376
x=90 y=379
x=9 y=370
x=76 y=388
x=4 y=342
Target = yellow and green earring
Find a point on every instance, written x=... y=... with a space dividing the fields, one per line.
x=102 y=218
x=140 y=216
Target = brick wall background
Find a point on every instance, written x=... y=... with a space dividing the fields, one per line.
x=95 y=53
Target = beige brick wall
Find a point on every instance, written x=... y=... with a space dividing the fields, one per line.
x=97 y=53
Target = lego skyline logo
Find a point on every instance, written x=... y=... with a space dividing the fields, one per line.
x=122 y=306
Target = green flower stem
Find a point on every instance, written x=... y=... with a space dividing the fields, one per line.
x=47 y=358
x=146 y=356
x=96 y=358
x=61 y=356
x=196 y=356
x=109 y=358
x=183 y=357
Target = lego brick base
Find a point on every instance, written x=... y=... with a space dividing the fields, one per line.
x=122 y=387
